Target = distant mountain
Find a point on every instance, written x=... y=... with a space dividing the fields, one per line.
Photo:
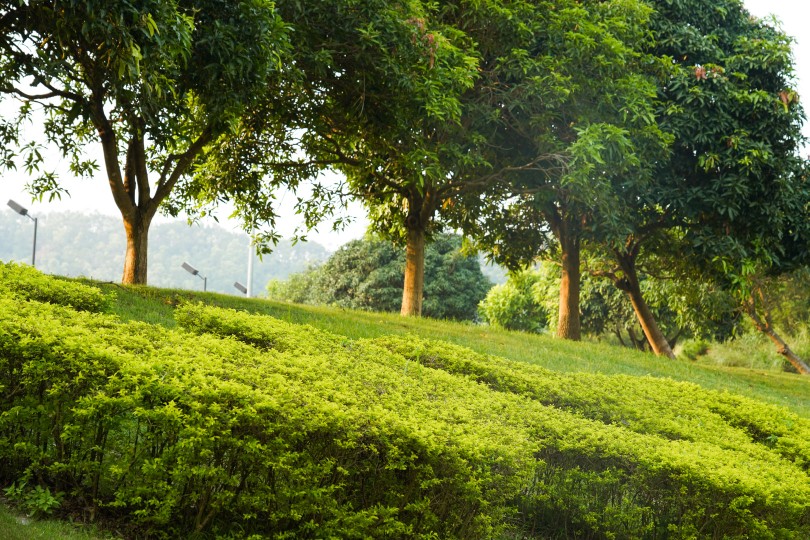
x=92 y=245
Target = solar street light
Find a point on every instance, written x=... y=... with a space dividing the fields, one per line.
x=24 y=212
x=194 y=272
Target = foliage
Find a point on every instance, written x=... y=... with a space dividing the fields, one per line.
x=515 y=305
x=368 y=274
x=624 y=466
x=157 y=306
x=156 y=84
x=177 y=433
x=732 y=194
x=683 y=308
x=18 y=280
x=37 y=501
x=288 y=431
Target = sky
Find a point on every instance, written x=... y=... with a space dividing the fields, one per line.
x=93 y=195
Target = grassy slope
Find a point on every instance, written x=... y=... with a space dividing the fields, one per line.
x=792 y=391
x=157 y=306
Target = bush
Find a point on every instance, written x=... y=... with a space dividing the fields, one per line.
x=613 y=459
x=27 y=283
x=175 y=434
x=368 y=274
x=246 y=426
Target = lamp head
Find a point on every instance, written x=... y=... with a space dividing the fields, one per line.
x=18 y=208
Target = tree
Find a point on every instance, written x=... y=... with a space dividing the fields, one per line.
x=570 y=127
x=369 y=275
x=732 y=189
x=727 y=183
x=685 y=308
x=158 y=84
x=380 y=80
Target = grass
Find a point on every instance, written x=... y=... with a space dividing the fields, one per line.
x=15 y=526
x=792 y=391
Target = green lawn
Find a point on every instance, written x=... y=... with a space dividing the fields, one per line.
x=793 y=391
x=16 y=526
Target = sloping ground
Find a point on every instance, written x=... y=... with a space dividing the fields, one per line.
x=236 y=425
x=156 y=305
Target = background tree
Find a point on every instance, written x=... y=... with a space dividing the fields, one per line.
x=158 y=84
x=685 y=308
x=369 y=275
x=376 y=81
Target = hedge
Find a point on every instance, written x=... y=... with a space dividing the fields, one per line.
x=603 y=470
x=24 y=282
x=243 y=426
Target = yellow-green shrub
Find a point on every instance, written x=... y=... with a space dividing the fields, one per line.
x=177 y=433
x=27 y=283
x=618 y=472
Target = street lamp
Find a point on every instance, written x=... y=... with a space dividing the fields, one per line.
x=194 y=272
x=24 y=212
x=239 y=287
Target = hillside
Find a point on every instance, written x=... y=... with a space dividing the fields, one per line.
x=232 y=423
x=93 y=245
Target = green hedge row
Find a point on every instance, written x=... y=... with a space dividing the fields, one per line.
x=24 y=282
x=250 y=427
x=177 y=434
x=603 y=468
x=671 y=409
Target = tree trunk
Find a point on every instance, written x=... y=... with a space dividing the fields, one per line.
x=568 y=326
x=414 y=273
x=764 y=325
x=630 y=285
x=135 y=261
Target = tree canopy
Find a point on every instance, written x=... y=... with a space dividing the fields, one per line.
x=157 y=84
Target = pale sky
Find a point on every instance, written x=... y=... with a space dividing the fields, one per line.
x=94 y=195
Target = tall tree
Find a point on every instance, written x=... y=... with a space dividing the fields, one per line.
x=378 y=81
x=733 y=188
x=569 y=117
x=157 y=84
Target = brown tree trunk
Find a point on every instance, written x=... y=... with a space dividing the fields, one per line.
x=630 y=285
x=413 y=289
x=131 y=189
x=568 y=325
x=764 y=325
x=135 y=260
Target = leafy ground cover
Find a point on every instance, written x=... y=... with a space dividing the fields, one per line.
x=157 y=306
x=221 y=423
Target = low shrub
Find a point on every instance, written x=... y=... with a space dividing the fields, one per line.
x=671 y=409
x=603 y=469
x=175 y=435
x=25 y=282
x=243 y=426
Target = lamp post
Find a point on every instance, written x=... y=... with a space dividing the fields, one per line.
x=251 y=255
x=194 y=272
x=24 y=212
x=239 y=287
